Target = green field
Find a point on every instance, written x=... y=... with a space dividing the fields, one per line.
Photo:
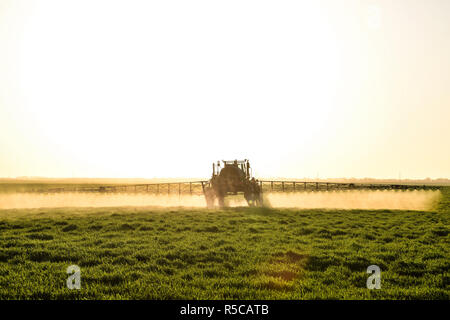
x=236 y=253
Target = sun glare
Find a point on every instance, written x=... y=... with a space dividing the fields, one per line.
x=119 y=86
x=160 y=89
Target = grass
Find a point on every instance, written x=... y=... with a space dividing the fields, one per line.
x=237 y=253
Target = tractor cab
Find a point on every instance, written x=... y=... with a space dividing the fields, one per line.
x=242 y=165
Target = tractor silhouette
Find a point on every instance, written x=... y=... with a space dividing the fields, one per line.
x=232 y=178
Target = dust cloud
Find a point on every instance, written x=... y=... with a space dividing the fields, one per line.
x=77 y=199
x=380 y=199
x=401 y=200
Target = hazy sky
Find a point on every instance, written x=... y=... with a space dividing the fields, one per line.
x=163 y=88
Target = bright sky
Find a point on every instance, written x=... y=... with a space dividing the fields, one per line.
x=101 y=88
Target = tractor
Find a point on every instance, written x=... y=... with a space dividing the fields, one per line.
x=232 y=178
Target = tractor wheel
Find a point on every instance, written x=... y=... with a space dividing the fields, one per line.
x=209 y=197
x=259 y=200
x=248 y=197
x=253 y=199
x=221 y=200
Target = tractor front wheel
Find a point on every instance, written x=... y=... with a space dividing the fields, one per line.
x=209 y=197
x=253 y=199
